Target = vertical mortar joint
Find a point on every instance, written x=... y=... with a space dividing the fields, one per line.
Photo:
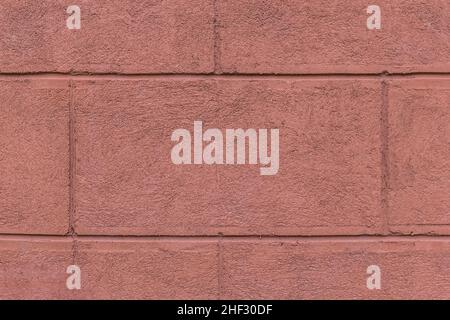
x=72 y=231
x=385 y=161
x=217 y=67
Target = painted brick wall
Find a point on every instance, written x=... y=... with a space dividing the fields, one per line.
x=86 y=178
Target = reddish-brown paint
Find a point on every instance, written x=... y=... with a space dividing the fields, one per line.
x=34 y=156
x=85 y=170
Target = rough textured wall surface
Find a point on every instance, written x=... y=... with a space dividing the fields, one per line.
x=87 y=179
